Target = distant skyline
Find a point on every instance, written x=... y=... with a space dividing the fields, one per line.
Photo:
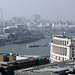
x=58 y=10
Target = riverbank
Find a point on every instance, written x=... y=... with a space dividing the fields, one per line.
x=24 y=41
x=24 y=38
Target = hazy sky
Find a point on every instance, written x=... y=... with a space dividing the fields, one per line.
x=48 y=9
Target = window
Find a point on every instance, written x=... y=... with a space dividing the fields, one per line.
x=72 y=55
x=72 y=48
x=56 y=57
x=59 y=58
x=67 y=42
x=72 y=51
x=63 y=59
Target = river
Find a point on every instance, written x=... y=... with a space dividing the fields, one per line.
x=22 y=48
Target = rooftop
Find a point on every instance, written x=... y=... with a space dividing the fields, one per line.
x=64 y=36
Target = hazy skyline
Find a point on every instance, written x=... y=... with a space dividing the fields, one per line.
x=48 y=9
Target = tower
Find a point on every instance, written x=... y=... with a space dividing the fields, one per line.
x=1 y=20
x=37 y=17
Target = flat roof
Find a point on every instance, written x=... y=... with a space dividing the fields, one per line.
x=61 y=36
x=55 y=69
x=3 y=62
x=43 y=73
x=35 y=72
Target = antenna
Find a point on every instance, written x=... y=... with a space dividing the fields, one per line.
x=63 y=34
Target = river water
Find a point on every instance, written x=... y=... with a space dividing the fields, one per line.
x=22 y=48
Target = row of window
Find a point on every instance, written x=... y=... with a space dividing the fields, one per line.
x=72 y=52
x=58 y=57
x=59 y=50
x=59 y=42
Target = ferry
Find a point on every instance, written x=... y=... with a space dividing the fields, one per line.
x=33 y=45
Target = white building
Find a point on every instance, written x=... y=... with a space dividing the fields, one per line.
x=62 y=48
x=13 y=28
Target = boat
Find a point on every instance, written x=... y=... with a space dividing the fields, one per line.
x=33 y=45
x=45 y=44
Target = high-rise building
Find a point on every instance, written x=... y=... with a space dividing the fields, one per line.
x=14 y=19
x=37 y=17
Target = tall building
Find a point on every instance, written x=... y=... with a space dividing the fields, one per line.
x=14 y=19
x=37 y=17
x=62 y=48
